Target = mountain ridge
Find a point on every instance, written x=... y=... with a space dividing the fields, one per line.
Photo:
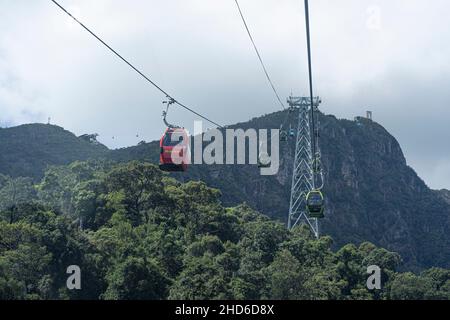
x=27 y=150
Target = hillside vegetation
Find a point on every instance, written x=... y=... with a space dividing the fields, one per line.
x=27 y=150
x=145 y=235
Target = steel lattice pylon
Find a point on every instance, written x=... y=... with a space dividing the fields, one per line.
x=303 y=174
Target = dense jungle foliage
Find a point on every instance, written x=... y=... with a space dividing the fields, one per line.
x=136 y=233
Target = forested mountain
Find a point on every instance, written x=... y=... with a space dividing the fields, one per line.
x=372 y=195
x=136 y=233
x=27 y=150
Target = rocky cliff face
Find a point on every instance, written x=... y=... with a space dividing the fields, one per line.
x=373 y=195
x=444 y=194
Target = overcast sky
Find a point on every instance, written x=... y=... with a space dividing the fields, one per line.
x=389 y=56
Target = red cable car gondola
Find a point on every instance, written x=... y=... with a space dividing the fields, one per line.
x=175 y=154
x=174 y=144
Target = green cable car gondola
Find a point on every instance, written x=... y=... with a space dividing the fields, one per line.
x=315 y=204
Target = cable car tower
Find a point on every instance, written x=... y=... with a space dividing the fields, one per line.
x=303 y=175
x=307 y=201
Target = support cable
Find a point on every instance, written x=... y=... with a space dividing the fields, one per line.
x=135 y=68
x=259 y=56
x=308 y=39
